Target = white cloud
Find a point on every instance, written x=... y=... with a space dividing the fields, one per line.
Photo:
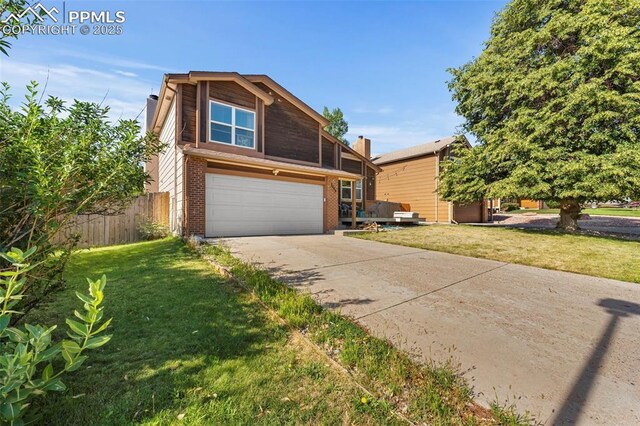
x=126 y=96
x=126 y=73
x=114 y=61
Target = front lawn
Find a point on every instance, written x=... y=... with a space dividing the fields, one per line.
x=589 y=255
x=190 y=346
x=187 y=345
x=594 y=212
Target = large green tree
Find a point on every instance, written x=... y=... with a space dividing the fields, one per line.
x=338 y=126
x=554 y=101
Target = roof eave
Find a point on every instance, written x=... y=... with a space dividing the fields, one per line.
x=273 y=165
x=195 y=76
x=265 y=79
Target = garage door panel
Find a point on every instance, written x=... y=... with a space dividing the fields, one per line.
x=237 y=206
x=263 y=214
x=254 y=198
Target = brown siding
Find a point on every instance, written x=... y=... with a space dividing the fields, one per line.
x=328 y=153
x=289 y=132
x=443 y=211
x=530 y=204
x=228 y=91
x=352 y=166
x=370 y=186
x=412 y=182
x=203 y=111
x=188 y=131
x=259 y=130
x=470 y=213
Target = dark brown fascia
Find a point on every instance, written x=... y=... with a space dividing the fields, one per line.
x=195 y=76
x=351 y=150
x=265 y=79
x=161 y=111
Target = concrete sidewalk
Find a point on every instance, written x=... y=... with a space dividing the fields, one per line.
x=564 y=346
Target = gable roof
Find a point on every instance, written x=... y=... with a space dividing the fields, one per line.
x=246 y=81
x=195 y=76
x=418 y=150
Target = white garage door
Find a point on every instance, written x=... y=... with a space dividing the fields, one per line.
x=240 y=206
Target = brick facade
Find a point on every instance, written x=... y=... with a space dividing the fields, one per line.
x=332 y=219
x=196 y=171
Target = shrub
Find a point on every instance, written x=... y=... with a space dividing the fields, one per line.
x=27 y=353
x=58 y=161
x=508 y=207
x=552 y=204
x=153 y=230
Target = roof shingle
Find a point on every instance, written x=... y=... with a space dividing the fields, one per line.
x=414 y=151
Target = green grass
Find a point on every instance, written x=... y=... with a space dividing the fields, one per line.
x=594 y=212
x=190 y=347
x=590 y=255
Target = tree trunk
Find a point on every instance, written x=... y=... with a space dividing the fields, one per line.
x=569 y=214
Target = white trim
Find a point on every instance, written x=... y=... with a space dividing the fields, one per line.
x=232 y=125
x=358 y=181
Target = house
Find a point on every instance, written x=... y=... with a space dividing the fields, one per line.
x=530 y=204
x=244 y=156
x=411 y=176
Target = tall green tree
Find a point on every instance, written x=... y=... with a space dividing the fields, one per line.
x=554 y=101
x=338 y=126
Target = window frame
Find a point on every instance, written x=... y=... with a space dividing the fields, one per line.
x=232 y=125
x=359 y=187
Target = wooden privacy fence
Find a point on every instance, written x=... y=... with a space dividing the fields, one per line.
x=102 y=230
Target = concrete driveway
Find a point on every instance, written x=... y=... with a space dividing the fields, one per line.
x=564 y=346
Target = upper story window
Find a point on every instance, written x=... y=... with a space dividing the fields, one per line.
x=345 y=190
x=231 y=125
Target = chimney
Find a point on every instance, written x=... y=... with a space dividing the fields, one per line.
x=151 y=167
x=362 y=146
x=152 y=103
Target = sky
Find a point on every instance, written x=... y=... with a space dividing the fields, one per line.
x=383 y=63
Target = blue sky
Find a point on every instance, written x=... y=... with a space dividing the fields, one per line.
x=383 y=63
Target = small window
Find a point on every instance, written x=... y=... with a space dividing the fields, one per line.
x=232 y=125
x=345 y=190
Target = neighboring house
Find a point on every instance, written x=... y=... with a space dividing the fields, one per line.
x=522 y=203
x=531 y=204
x=410 y=176
x=246 y=157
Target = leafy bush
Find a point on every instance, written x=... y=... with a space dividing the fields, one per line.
x=552 y=204
x=153 y=230
x=58 y=161
x=27 y=353
x=508 y=207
